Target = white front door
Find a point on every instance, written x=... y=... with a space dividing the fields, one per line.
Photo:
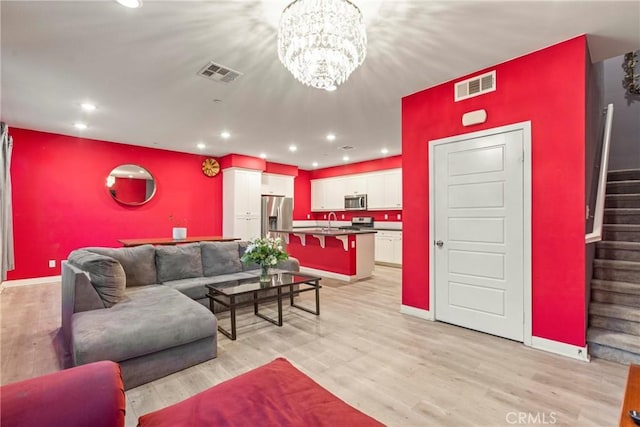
x=479 y=279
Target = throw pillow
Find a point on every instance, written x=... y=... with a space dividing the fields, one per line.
x=138 y=262
x=220 y=258
x=178 y=262
x=106 y=274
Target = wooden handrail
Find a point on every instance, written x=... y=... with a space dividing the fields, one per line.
x=596 y=233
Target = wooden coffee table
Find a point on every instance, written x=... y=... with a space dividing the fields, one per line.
x=285 y=283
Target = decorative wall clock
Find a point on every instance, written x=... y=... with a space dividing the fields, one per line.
x=210 y=167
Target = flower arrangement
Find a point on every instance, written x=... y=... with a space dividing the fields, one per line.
x=266 y=252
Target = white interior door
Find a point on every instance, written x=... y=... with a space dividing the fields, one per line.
x=479 y=280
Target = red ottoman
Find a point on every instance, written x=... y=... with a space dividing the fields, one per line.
x=87 y=395
x=276 y=394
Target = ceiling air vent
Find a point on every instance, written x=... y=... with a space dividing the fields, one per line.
x=345 y=147
x=475 y=86
x=219 y=73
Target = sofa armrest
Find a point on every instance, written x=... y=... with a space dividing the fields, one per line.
x=88 y=395
x=290 y=264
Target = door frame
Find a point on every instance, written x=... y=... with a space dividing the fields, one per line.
x=525 y=127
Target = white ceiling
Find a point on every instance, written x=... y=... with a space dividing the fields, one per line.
x=139 y=67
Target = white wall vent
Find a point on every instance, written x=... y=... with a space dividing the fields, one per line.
x=219 y=73
x=475 y=86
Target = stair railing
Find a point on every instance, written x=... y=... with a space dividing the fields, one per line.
x=596 y=233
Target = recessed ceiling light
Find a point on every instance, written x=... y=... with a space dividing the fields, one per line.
x=88 y=107
x=384 y=151
x=80 y=126
x=293 y=148
x=133 y=4
x=331 y=137
x=225 y=134
x=345 y=158
x=330 y=88
x=263 y=156
x=201 y=145
x=130 y=176
x=314 y=164
x=140 y=171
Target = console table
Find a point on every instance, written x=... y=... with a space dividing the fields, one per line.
x=171 y=241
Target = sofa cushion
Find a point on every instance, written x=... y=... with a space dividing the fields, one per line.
x=138 y=263
x=106 y=274
x=220 y=258
x=147 y=320
x=242 y=247
x=178 y=262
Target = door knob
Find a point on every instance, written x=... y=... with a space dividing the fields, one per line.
x=439 y=243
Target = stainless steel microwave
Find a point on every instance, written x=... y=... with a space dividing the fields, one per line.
x=357 y=202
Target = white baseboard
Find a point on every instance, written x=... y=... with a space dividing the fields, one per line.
x=416 y=312
x=563 y=349
x=328 y=274
x=26 y=282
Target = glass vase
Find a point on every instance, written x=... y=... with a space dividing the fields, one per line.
x=264 y=274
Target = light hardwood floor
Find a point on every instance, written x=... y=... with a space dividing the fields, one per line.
x=399 y=369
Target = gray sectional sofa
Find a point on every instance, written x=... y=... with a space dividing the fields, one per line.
x=145 y=307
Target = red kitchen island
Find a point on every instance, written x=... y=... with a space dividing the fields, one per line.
x=346 y=255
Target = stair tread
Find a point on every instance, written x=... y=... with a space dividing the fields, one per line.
x=627 y=211
x=616 y=286
x=614 y=339
x=622 y=227
x=622 y=195
x=624 y=181
x=617 y=244
x=615 y=311
x=615 y=263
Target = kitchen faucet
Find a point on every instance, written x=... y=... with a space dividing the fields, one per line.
x=335 y=217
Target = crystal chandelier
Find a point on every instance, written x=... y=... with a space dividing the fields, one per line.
x=321 y=42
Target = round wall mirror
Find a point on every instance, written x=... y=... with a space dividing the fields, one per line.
x=131 y=185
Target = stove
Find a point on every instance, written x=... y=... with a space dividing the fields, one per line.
x=359 y=223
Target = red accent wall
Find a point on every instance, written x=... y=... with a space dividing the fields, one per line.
x=281 y=169
x=242 y=161
x=61 y=202
x=302 y=196
x=360 y=167
x=548 y=88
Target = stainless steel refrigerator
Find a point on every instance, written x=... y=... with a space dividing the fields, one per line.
x=277 y=214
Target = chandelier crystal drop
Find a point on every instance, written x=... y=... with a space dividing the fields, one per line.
x=321 y=42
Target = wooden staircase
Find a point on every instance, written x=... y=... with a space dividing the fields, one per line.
x=614 y=311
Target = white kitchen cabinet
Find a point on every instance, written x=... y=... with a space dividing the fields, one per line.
x=354 y=184
x=327 y=194
x=376 y=191
x=393 y=189
x=280 y=185
x=334 y=194
x=245 y=227
x=241 y=205
x=384 y=190
x=389 y=247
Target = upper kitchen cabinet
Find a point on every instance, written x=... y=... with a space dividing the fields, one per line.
x=383 y=190
x=277 y=185
x=327 y=194
x=354 y=184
